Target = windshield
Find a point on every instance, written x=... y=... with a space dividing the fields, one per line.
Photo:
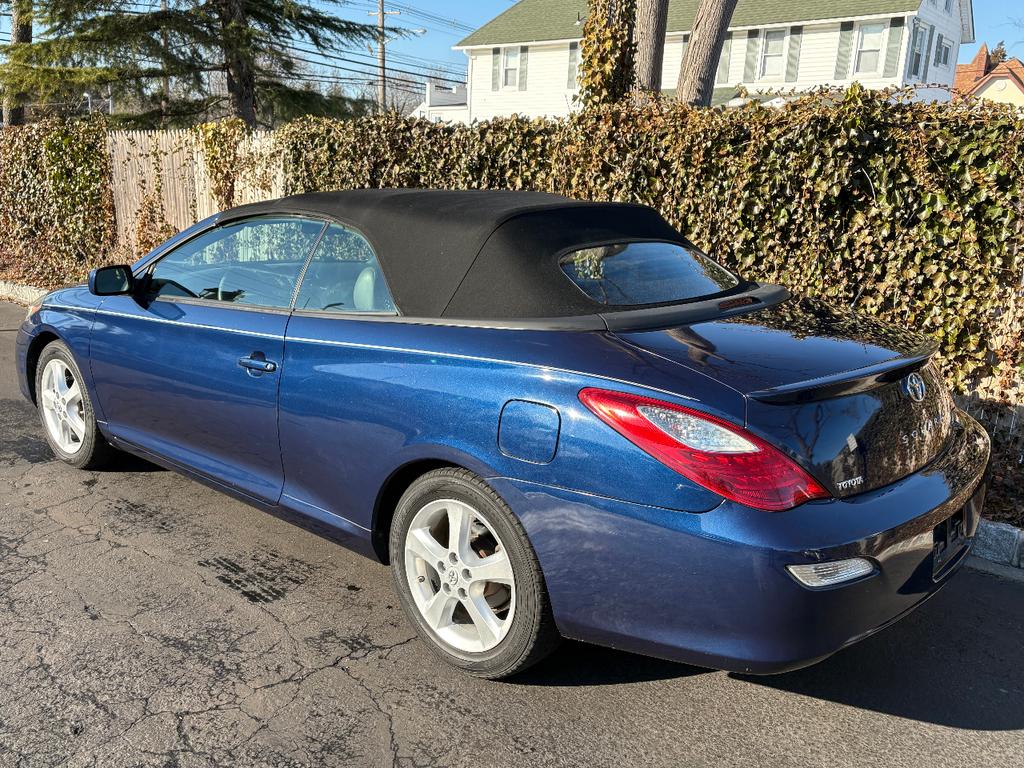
x=632 y=274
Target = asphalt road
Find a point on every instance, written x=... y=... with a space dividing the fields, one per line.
x=148 y=620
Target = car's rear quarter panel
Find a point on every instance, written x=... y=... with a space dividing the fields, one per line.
x=360 y=399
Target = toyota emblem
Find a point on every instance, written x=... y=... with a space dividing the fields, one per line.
x=914 y=387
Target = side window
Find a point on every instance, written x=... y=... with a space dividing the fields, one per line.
x=344 y=276
x=254 y=262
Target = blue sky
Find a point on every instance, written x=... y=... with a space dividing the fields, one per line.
x=995 y=20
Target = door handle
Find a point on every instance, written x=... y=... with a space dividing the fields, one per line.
x=257 y=363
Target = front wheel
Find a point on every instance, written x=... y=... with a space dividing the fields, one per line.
x=467 y=576
x=66 y=410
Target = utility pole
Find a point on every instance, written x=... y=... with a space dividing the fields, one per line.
x=21 y=33
x=382 y=72
x=165 y=99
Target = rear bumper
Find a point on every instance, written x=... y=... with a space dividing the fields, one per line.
x=712 y=589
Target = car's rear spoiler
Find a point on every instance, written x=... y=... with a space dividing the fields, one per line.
x=848 y=382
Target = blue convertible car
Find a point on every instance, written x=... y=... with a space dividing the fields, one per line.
x=551 y=417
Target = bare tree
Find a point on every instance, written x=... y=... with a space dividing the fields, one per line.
x=21 y=32
x=697 y=73
x=649 y=36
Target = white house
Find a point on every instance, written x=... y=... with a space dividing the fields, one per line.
x=443 y=103
x=525 y=60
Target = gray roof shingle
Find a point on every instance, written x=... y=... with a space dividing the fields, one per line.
x=535 y=20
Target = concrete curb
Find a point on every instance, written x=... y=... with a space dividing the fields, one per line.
x=21 y=294
x=1000 y=543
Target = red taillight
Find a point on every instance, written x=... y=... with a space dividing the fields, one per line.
x=715 y=454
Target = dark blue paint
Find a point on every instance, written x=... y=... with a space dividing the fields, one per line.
x=529 y=431
x=634 y=555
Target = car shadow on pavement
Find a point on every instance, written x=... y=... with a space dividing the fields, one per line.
x=956 y=661
x=580 y=664
x=130 y=463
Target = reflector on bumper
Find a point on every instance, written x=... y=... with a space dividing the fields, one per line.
x=817 y=575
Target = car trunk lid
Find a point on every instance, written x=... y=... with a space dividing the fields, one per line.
x=853 y=400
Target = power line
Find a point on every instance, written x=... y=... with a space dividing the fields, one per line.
x=346 y=60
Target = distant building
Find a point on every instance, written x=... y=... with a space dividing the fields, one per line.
x=444 y=104
x=987 y=78
x=526 y=60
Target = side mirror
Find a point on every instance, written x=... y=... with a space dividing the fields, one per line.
x=111 y=281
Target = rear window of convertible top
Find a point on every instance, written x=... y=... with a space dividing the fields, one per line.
x=639 y=273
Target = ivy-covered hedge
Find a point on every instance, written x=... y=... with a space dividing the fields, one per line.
x=56 y=208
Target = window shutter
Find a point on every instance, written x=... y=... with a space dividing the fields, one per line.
x=938 y=49
x=845 y=50
x=893 y=46
x=796 y=35
x=570 y=79
x=524 y=61
x=722 y=75
x=927 y=54
x=686 y=44
x=909 y=74
x=495 y=68
x=750 y=64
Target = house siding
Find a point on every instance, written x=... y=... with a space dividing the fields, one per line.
x=1002 y=89
x=816 y=56
x=947 y=25
x=546 y=94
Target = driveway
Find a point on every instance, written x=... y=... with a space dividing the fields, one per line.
x=148 y=620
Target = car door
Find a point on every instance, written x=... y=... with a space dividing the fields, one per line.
x=189 y=368
x=335 y=393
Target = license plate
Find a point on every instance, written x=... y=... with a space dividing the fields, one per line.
x=948 y=539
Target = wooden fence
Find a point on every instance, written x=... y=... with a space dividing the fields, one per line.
x=165 y=173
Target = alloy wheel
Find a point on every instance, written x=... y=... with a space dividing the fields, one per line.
x=460 y=576
x=63 y=408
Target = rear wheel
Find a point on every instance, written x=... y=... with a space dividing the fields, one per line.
x=467 y=576
x=66 y=410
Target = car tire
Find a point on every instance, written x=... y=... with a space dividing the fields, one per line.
x=495 y=628
x=73 y=437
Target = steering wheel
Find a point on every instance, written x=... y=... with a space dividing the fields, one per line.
x=271 y=279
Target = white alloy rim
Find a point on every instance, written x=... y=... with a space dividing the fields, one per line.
x=63 y=409
x=460 y=576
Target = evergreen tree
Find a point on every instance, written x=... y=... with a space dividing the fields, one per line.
x=21 y=34
x=185 y=61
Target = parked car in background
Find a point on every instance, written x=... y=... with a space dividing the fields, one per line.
x=551 y=417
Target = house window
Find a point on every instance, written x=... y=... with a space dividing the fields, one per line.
x=574 y=66
x=949 y=7
x=917 y=51
x=869 y=48
x=772 y=55
x=943 y=53
x=510 y=68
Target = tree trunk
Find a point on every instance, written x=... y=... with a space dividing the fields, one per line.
x=21 y=32
x=649 y=36
x=697 y=73
x=241 y=79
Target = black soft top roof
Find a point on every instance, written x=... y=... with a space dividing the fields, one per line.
x=477 y=254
